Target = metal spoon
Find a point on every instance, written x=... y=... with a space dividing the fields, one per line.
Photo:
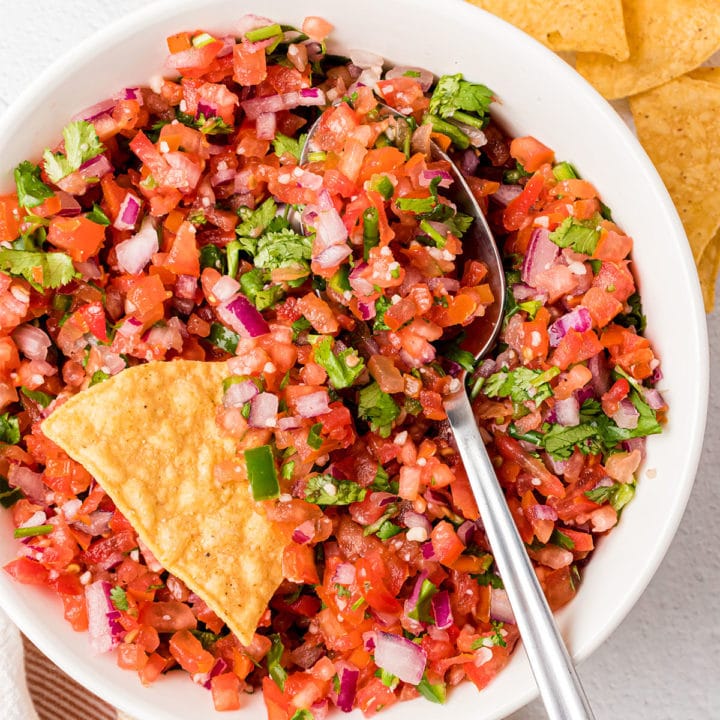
x=552 y=666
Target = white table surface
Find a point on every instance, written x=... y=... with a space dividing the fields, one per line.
x=662 y=662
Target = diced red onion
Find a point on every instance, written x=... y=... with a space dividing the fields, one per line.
x=207 y=109
x=367 y=310
x=654 y=399
x=428 y=551
x=249 y=22
x=348 y=687
x=364 y=59
x=441 y=610
x=344 y=574
x=128 y=213
x=450 y=284
x=627 y=415
x=304 y=533
x=465 y=532
x=131 y=93
x=477 y=136
x=425 y=77
x=240 y=393
x=37 y=518
x=584 y=393
x=314 y=404
x=541 y=254
x=29 y=482
x=567 y=411
x=285 y=101
x=96 y=167
x=222 y=176
x=469 y=162
x=505 y=194
x=298 y=56
x=204 y=679
x=427 y=176
x=70 y=508
x=369 y=637
x=308 y=179
x=639 y=444
x=32 y=342
x=411 y=519
x=131 y=327
x=500 y=608
x=167 y=337
x=332 y=256
x=263 y=410
x=225 y=288
x=186 y=287
x=578 y=319
x=90 y=113
x=242 y=316
x=69 y=206
x=136 y=252
x=101 y=612
x=487 y=368
x=360 y=285
x=289 y=423
x=99 y=523
x=541 y=512
x=89 y=269
x=522 y=292
x=400 y=657
x=412 y=601
x=266 y=126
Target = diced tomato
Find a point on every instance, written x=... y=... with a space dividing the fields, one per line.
x=319 y=314
x=299 y=564
x=81 y=237
x=374 y=696
x=446 y=544
x=249 y=64
x=516 y=214
x=225 y=690
x=183 y=258
x=28 y=571
x=531 y=153
x=188 y=651
x=575 y=347
x=9 y=218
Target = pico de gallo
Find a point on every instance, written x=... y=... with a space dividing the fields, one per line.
x=184 y=220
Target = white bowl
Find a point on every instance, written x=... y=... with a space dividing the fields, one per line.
x=540 y=95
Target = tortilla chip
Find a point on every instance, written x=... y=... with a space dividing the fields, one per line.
x=708 y=266
x=149 y=437
x=710 y=74
x=587 y=25
x=679 y=127
x=667 y=38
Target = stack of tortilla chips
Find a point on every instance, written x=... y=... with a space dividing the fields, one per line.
x=650 y=52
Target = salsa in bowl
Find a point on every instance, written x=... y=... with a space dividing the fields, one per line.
x=502 y=95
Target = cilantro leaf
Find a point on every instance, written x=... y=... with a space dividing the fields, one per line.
x=378 y=409
x=42 y=270
x=274 y=666
x=41 y=398
x=255 y=221
x=81 y=144
x=283 y=144
x=283 y=248
x=327 y=490
x=453 y=94
x=520 y=384
x=98 y=216
x=581 y=235
x=343 y=368
x=416 y=205
x=559 y=441
x=9 y=429
x=119 y=598
x=31 y=190
x=635 y=317
x=617 y=494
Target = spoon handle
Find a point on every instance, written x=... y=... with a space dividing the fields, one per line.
x=554 y=672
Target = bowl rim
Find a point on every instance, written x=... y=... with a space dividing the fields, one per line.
x=121 y=28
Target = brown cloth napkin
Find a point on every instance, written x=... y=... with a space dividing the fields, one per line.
x=56 y=696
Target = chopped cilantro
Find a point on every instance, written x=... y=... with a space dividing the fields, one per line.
x=119 y=598
x=31 y=190
x=633 y=318
x=491 y=579
x=314 y=439
x=381 y=306
x=283 y=144
x=212 y=257
x=222 y=337
x=9 y=429
x=559 y=441
x=581 y=235
x=283 y=248
x=416 y=205
x=274 y=657
x=387 y=530
x=562 y=540
x=207 y=639
x=378 y=409
x=98 y=376
x=81 y=144
x=617 y=494
x=455 y=97
x=382 y=480
x=496 y=639
x=42 y=270
x=327 y=490
x=302 y=714
x=421 y=611
x=521 y=384
x=299 y=326
x=343 y=368
x=254 y=222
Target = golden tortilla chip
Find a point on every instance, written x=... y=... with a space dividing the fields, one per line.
x=149 y=437
x=711 y=74
x=667 y=38
x=582 y=25
x=708 y=266
x=679 y=126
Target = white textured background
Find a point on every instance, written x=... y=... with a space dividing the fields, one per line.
x=662 y=662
